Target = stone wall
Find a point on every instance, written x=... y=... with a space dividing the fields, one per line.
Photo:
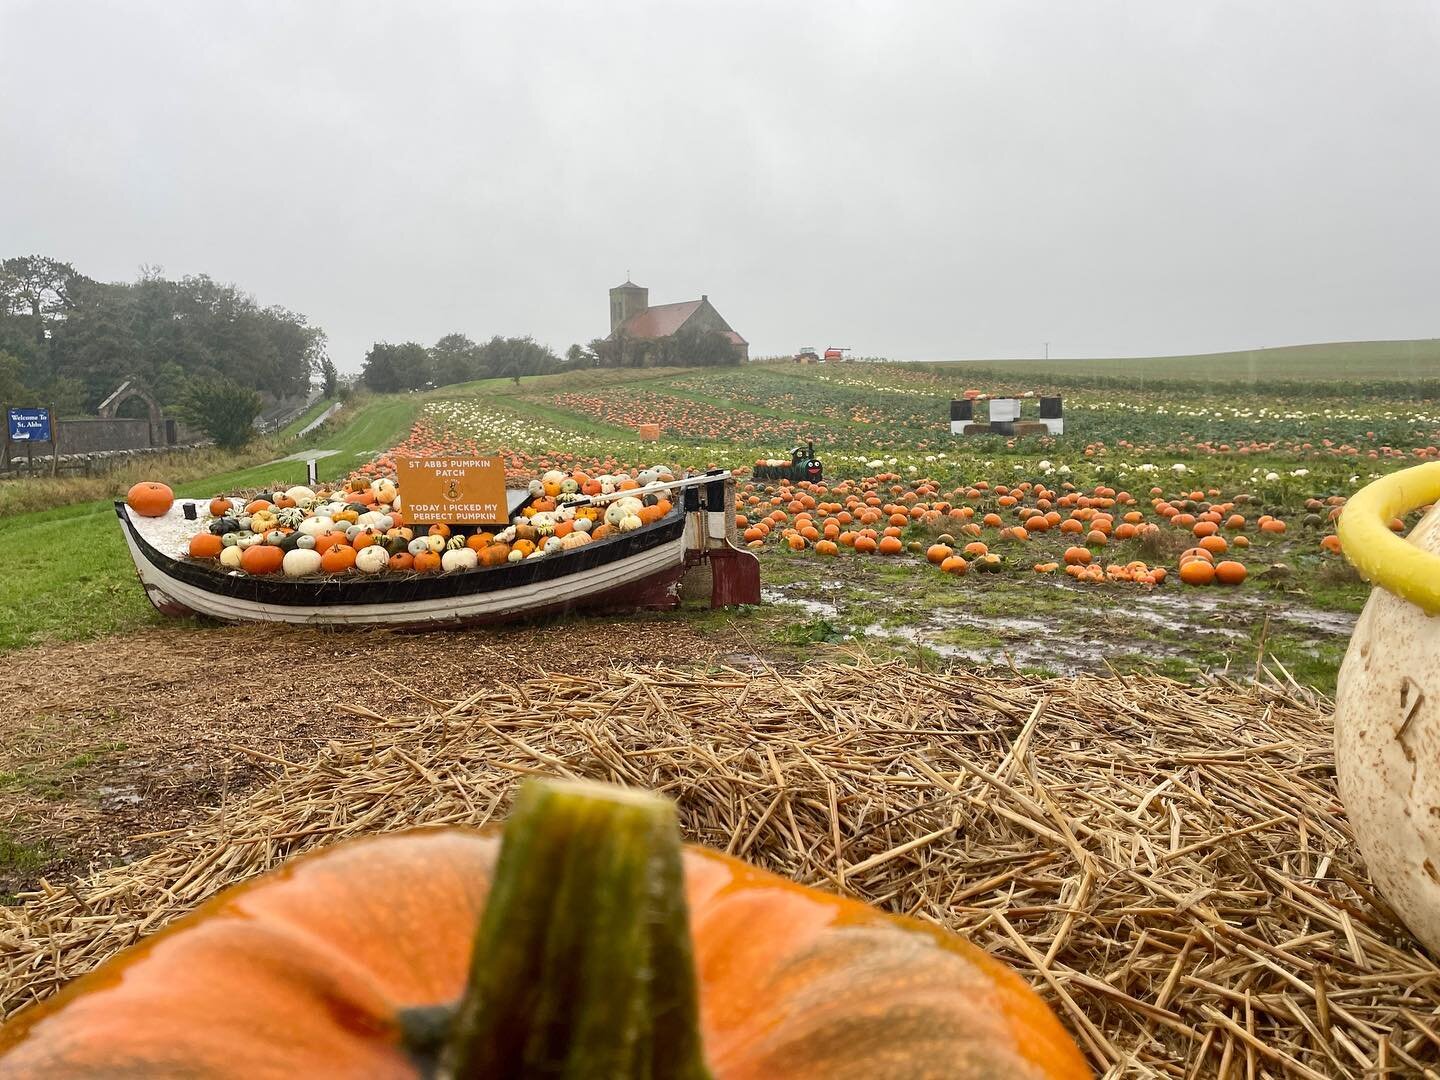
x=86 y=435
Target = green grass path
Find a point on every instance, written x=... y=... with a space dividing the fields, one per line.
x=68 y=574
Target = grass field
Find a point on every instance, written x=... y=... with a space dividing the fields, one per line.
x=51 y=593
x=1277 y=451
x=1340 y=361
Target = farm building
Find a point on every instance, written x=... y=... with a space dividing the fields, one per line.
x=631 y=316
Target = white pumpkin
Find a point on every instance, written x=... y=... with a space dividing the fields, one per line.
x=536 y=488
x=538 y=553
x=461 y=558
x=1387 y=706
x=419 y=546
x=543 y=523
x=630 y=505
x=302 y=562
x=569 y=486
x=371 y=519
x=583 y=525
x=436 y=542
x=315 y=526
x=248 y=540
x=372 y=559
x=300 y=494
x=230 y=557
x=383 y=489
x=607 y=484
x=552 y=545
x=648 y=476
x=630 y=522
x=515 y=556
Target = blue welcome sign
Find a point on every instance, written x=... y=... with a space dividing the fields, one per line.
x=29 y=425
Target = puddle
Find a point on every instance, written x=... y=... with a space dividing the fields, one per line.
x=818 y=609
x=112 y=798
x=1104 y=628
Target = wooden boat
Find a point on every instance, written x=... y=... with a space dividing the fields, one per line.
x=631 y=571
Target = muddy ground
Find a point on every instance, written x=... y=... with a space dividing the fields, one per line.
x=111 y=744
x=1051 y=625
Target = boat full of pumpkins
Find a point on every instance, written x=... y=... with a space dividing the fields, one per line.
x=347 y=555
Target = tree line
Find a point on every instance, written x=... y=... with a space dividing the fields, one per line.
x=455 y=358
x=69 y=340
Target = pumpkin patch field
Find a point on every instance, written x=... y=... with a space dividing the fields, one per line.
x=1067 y=698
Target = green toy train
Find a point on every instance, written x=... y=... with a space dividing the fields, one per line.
x=803 y=465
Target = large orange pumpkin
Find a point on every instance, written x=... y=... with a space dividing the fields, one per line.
x=262 y=559
x=364 y=960
x=149 y=499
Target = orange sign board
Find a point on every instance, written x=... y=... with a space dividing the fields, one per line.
x=455 y=491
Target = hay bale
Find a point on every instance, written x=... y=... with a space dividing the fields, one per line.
x=1169 y=864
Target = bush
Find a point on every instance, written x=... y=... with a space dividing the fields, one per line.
x=223 y=409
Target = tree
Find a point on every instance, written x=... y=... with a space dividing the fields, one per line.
x=40 y=287
x=13 y=390
x=698 y=348
x=223 y=409
x=454 y=359
x=332 y=377
x=392 y=369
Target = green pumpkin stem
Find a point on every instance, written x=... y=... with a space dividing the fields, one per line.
x=582 y=965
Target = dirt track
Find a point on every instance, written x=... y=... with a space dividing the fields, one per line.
x=110 y=741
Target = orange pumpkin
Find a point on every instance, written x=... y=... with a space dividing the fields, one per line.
x=493 y=554
x=262 y=559
x=149 y=499
x=427 y=562
x=337 y=558
x=220 y=507
x=206 y=546
x=1197 y=572
x=364 y=960
x=1230 y=572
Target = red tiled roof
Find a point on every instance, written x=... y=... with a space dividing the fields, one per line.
x=659 y=321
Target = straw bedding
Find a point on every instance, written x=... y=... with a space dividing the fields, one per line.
x=1168 y=864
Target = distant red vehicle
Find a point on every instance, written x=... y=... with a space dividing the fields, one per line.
x=833 y=353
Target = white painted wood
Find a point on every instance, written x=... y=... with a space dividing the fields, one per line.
x=611 y=576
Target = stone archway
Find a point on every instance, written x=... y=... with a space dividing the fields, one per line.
x=130 y=390
x=123 y=393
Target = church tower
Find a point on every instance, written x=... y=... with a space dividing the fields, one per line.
x=627 y=300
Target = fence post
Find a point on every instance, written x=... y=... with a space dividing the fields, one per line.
x=54 y=442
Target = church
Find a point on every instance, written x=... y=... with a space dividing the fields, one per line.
x=631 y=316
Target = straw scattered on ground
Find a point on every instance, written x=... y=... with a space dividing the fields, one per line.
x=1168 y=864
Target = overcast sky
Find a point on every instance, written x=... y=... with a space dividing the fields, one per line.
x=914 y=180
